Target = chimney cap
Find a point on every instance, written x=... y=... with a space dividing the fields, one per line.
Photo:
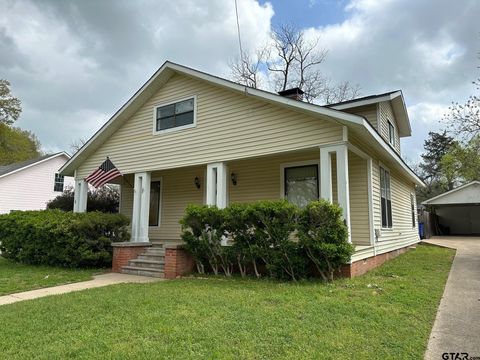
x=291 y=92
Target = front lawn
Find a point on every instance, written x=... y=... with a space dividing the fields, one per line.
x=16 y=277
x=386 y=314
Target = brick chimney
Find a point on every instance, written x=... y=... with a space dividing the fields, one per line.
x=294 y=93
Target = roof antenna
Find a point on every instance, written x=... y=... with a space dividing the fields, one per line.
x=239 y=38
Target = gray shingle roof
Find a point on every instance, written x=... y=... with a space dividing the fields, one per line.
x=6 y=169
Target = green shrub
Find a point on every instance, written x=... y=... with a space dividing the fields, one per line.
x=202 y=232
x=239 y=225
x=275 y=237
x=324 y=236
x=274 y=223
x=57 y=238
x=105 y=199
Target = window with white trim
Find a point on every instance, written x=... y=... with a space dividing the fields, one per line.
x=301 y=184
x=59 y=181
x=155 y=203
x=412 y=207
x=176 y=115
x=391 y=133
x=386 y=198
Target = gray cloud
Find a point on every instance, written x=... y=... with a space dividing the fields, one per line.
x=74 y=63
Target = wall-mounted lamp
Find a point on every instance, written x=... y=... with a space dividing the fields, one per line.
x=233 y=176
x=197 y=182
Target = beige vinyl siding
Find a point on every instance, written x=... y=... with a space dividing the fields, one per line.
x=367 y=111
x=402 y=233
x=358 y=185
x=229 y=126
x=260 y=178
x=386 y=114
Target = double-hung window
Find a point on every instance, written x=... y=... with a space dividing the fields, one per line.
x=386 y=198
x=301 y=184
x=59 y=181
x=391 y=134
x=175 y=116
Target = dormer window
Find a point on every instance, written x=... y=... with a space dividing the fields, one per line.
x=175 y=116
x=391 y=133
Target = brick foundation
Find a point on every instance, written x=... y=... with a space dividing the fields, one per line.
x=178 y=261
x=360 y=267
x=124 y=251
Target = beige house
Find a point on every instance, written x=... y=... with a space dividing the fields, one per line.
x=190 y=137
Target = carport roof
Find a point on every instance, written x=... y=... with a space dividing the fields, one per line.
x=465 y=194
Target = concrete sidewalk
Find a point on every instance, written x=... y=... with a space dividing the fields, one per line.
x=457 y=325
x=98 y=281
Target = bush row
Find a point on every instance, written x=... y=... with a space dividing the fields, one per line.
x=57 y=238
x=272 y=238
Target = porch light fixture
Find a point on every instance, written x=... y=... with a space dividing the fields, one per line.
x=197 y=182
x=233 y=176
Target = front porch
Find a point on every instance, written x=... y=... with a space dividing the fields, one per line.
x=155 y=200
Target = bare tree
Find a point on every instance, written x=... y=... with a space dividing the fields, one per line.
x=10 y=106
x=77 y=144
x=246 y=70
x=464 y=119
x=292 y=60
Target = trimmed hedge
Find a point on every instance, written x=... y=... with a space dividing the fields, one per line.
x=58 y=238
x=272 y=238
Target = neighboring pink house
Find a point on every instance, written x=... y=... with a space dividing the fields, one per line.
x=30 y=184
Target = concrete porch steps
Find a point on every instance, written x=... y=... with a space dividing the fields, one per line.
x=149 y=263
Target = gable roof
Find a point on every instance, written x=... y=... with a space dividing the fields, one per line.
x=15 y=167
x=398 y=105
x=168 y=69
x=465 y=194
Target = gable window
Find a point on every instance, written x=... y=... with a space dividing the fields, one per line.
x=155 y=203
x=391 y=134
x=386 y=198
x=59 y=181
x=301 y=184
x=412 y=207
x=177 y=115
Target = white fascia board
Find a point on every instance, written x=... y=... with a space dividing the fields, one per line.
x=373 y=100
x=63 y=153
x=427 y=202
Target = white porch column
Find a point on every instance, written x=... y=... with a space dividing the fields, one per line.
x=217 y=185
x=343 y=190
x=325 y=174
x=80 y=196
x=141 y=207
x=343 y=185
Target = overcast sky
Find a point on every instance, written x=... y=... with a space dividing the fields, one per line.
x=74 y=63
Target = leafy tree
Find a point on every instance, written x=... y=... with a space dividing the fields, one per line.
x=436 y=146
x=105 y=199
x=462 y=162
x=10 y=106
x=17 y=145
x=292 y=60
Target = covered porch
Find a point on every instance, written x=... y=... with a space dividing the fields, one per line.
x=155 y=200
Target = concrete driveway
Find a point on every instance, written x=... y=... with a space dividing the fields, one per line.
x=457 y=325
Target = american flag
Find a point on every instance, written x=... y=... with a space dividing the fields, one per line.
x=106 y=172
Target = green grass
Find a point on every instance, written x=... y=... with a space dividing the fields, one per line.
x=386 y=314
x=16 y=277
